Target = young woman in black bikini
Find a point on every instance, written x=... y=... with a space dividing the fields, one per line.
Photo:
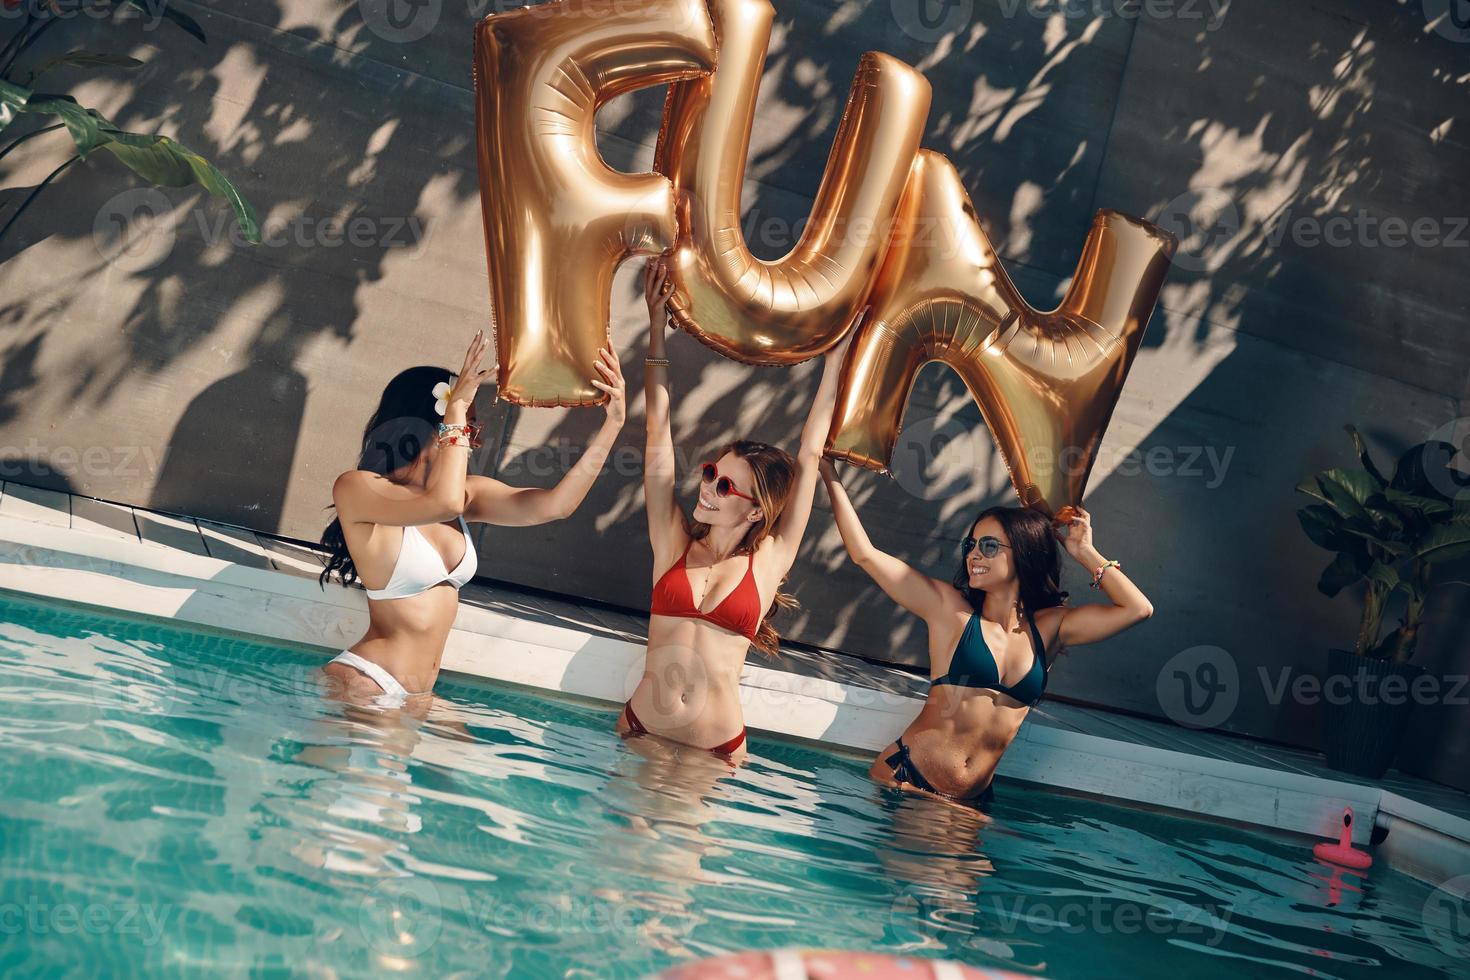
x=987 y=669
x=411 y=478
x=753 y=508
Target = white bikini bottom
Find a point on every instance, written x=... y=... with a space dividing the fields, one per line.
x=394 y=694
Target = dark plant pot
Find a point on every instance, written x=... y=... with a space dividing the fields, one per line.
x=1362 y=723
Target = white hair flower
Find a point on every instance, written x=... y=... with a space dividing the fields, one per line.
x=441 y=396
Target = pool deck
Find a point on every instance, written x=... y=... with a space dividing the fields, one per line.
x=127 y=559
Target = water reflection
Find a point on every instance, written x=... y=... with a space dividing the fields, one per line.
x=665 y=794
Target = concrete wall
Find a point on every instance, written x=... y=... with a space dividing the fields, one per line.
x=177 y=369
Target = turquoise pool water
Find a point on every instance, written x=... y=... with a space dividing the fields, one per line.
x=173 y=803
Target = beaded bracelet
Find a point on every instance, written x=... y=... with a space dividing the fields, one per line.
x=1098 y=574
x=663 y=361
x=447 y=427
x=456 y=439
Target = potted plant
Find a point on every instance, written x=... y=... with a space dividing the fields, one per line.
x=1387 y=533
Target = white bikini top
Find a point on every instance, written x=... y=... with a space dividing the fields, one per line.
x=420 y=568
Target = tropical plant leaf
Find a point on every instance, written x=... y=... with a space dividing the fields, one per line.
x=171 y=164
x=1344 y=570
x=1347 y=491
x=1363 y=456
x=85 y=59
x=1386 y=514
x=1322 y=525
x=13 y=99
x=1443 y=543
x=1386 y=576
x=1393 y=546
x=1312 y=488
x=157 y=159
x=1428 y=506
x=168 y=10
x=85 y=125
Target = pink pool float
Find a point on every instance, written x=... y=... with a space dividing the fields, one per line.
x=1343 y=852
x=821 y=964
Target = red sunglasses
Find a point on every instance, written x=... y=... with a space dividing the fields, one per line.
x=724 y=486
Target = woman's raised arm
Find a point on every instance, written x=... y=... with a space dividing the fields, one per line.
x=920 y=594
x=494 y=502
x=792 y=523
x=1128 y=606
x=665 y=531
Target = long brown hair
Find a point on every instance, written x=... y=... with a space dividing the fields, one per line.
x=1035 y=554
x=775 y=478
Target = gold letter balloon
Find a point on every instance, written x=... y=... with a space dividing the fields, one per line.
x=558 y=220
x=891 y=229
x=1046 y=383
x=789 y=310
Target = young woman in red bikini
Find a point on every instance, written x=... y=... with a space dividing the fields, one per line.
x=719 y=571
x=402 y=514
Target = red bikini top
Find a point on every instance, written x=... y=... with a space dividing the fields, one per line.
x=740 y=611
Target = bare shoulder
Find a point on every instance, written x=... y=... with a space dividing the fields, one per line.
x=349 y=486
x=954 y=611
x=1049 y=624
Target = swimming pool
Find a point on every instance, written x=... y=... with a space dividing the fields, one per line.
x=174 y=802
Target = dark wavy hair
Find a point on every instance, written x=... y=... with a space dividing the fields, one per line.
x=775 y=478
x=1035 y=553
x=400 y=429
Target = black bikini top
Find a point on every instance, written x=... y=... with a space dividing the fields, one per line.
x=973 y=665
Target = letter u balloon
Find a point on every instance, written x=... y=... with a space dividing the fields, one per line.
x=891 y=231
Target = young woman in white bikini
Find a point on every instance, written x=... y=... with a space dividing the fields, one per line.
x=402 y=519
